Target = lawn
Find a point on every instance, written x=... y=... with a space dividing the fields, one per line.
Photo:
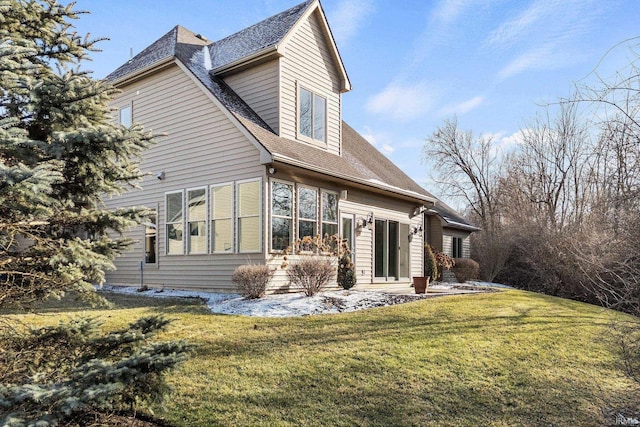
x=501 y=359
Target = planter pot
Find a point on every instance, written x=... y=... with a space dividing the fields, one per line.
x=420 y=284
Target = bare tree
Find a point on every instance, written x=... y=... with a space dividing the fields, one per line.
x=466 y=167
x=552 y=166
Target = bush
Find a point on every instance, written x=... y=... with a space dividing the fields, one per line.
x=311 y=274
x=430 y=265
x=346 y=272
x=466 y=269
x=252 y=280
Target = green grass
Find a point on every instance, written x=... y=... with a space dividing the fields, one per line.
x=503 y=359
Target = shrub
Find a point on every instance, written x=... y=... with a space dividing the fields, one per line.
x=252 y=280
x=346 y=272
x=466 y=269
x=311 y=274
x=430 y=265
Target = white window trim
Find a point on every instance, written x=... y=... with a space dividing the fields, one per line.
x=294 y=228
x=187 y=221
x=387 y=278
x=166 y=223
x=352 y=218
x=314 y=93
x=237 y=216
x=130 y=107
x=321 y=216
x=156 y=210
x=296 y=216
x=232 y=218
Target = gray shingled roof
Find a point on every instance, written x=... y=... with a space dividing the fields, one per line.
x=451 y=217
x=360 y=162
x=264 y=34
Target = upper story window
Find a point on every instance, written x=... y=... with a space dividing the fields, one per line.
x=312 y=115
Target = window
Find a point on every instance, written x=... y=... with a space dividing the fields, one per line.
x=391 y=252
x=151 y=238
x=329 y=214
x=249 y=206
x=307 y=212
x=312 y=115
x=126 y=116
x=348 y=234
x=197 y=221
x=456 y=247
x=281 y=215
x=222 y=218
x=404 y=250
x=174 y=223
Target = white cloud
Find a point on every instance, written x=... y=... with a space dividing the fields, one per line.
x=536 y=58
x=347 y=18
x=502 y=143
x=402 y=102
x=514 y=29
x=387 y=149
x=464 y=106
x=546 y=35
x=381 y=140
x=447 y=11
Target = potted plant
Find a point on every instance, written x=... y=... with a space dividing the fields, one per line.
x=420 y=284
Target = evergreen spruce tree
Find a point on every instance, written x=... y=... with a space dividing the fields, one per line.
x=60 y=154
x=430 y=263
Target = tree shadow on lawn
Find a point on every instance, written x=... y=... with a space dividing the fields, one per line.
x=362 y=392
x=71 y=303
x=410 y=322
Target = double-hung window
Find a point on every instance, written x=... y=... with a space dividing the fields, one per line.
x=281 y=215
x=151 y=238
x=174 y=221
x=197 y=221
x=312 y=115
x=456 y=247
x=222 y=218
x=249 y=206
x=307 y=212
x=329 y=213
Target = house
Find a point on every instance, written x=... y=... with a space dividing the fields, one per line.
x=253 y=154
x=447 y=231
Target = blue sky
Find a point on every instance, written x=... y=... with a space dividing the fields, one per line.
x=415 y=63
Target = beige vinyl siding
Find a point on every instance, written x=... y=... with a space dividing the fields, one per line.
x=447 y=241
x=308 y=61
x=201 y=147
x=258 y=87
